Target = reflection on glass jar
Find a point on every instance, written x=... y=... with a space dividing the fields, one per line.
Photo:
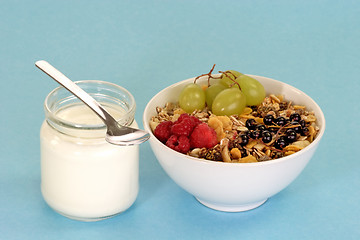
x=84 y=177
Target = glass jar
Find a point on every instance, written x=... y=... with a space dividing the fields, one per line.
x=83 y=177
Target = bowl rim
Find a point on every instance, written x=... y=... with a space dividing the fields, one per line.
x=255 y=164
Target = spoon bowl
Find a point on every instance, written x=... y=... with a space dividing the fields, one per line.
x=116 y=134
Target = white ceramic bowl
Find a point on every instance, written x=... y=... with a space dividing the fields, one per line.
x=233 y=187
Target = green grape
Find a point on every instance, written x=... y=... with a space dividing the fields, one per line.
x=253 y=90
x=225 y=79
x=212 y=91
x=228 y=102
x=192 y=97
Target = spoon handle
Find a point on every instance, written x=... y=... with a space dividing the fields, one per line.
x=75 y=89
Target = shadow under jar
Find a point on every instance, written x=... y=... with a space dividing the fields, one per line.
x=83 y=177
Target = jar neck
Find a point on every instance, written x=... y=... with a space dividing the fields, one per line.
x=68 y=115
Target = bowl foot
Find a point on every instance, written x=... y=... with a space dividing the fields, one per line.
x=231 y=208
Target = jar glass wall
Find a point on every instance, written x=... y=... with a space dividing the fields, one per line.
x=84 y=177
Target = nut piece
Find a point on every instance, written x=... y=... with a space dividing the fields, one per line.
x=297 y=107
x=301 y=144
x=225 y=150
x=248 y=159
x=179 y=111
x=217 y=125
x=246 y=111
x=196 y=152
x=153 y=125
x=227 y=123
x=310 y=118
x=235 y=153
x=289 y=153
x=280 y=97
x=251 y=144
x=312 y=133
x=259 y=146
x=275 y=98
x=220 y=124
x=292 y=147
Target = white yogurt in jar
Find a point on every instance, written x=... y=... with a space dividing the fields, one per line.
x=82 y=176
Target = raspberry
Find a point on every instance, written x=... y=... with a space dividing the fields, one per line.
x=195 y=120
x=184 y=125
x=203 y=136
x=179 y=144
x=163 y=131
x=182 y=117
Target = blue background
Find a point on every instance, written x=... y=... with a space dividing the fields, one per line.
x=145 y=46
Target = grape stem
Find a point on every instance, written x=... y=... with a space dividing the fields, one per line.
x=231 y=78
x=207 y=74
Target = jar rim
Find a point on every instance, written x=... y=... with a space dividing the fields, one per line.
x=125 y=119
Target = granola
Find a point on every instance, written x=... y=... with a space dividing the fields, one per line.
x=237 y=143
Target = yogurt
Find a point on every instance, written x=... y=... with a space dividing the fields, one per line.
x=84 y=177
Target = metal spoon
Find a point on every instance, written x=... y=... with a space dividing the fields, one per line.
x=116 y=133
